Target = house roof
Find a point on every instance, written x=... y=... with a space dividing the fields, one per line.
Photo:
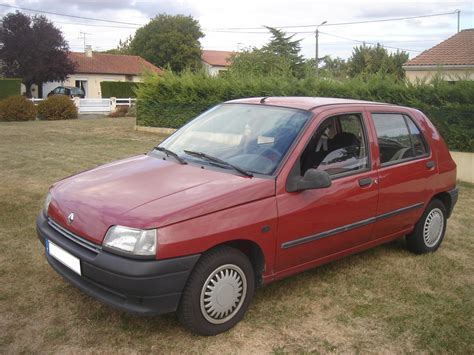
x=102 y=63
x=217 y=58
x=456 y=50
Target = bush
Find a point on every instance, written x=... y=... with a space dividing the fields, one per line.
x=9 y=87
x=57 y=107
x=118 y=89
x=171 y=100
x=121 y=111
x=17 y=108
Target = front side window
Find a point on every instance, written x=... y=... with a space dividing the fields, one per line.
x=252 y=137
x=398 y=137
x=339 y=146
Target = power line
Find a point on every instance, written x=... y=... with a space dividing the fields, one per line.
x=336 y=23
x=72 y=16
x=240 y=30
x=94 y=25
x=371 y=43
x=225 y=30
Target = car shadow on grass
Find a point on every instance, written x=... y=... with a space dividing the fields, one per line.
x=272 y=304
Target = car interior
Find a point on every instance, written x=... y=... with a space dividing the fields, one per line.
x=338 y=146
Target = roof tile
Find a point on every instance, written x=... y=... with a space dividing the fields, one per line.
x=456 y=50
x=102 y=63
x=218 y=58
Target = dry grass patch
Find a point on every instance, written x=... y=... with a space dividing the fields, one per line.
x=382 y=300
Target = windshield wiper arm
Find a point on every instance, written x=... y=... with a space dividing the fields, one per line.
x=212 y=159
x=171 y=153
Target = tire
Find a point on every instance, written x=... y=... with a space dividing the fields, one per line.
x=228 y=270
x=429 y=230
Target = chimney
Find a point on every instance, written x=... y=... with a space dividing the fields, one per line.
x=88 y=51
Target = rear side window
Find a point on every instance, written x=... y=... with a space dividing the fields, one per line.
x=399 y=138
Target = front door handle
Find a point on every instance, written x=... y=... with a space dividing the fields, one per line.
x=365 y=181
x=430 y=165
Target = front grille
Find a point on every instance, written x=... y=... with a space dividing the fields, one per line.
x=73 y=237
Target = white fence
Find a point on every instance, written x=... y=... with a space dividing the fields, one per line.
x=101 y=106
x=94 y=105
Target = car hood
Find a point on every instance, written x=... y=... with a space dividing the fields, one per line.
x=147 y=192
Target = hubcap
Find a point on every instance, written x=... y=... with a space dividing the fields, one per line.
x=433 y=228
x=223 y=293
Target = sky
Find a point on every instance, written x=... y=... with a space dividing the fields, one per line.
x=222 y=21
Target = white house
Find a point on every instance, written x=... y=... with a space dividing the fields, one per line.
x=216 y=61
x=93 y=68
x=452 y=59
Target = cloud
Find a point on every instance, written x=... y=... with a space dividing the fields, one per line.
x=110 y=8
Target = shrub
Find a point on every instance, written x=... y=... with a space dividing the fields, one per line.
x=171 y=100
x=121 y=111
x=119 y=89
x=57 y=107
x=9 y=87
x=17 y=108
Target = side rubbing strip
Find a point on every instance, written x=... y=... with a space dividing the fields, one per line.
x=347 y=227
x=328 y=233
x=401 y=210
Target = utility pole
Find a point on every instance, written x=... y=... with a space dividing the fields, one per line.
x=316 y=50
x=459 y=18
x=83 y=35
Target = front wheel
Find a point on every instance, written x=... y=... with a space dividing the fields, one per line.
x=429 y=230
x=218 y=292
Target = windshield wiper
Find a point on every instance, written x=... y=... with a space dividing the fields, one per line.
x=218 y=161
x=171 y=153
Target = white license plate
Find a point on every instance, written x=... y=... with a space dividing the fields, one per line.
x=63 y=257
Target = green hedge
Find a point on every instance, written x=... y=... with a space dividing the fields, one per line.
x=9 y=87
x=120 y=89
x=172 y=100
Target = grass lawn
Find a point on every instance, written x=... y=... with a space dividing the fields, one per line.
x=382 y=300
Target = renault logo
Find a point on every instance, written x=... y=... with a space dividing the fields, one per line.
x=70 y=218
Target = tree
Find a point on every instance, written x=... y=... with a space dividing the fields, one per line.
x=122 y=48
x=334 y=67
x=283 y=46
x=366 y=60
x=33 y=49
x=281 y=55
x=169 y=41
x=258 y=62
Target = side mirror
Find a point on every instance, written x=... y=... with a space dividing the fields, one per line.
x=312 y=179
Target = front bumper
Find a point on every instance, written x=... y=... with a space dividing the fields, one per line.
x=147 y=287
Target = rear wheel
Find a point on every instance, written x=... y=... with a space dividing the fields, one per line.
x=429 y=230
x=218 y=292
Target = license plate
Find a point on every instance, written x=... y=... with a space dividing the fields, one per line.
x=63 y=256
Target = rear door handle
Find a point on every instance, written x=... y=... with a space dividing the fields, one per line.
x=430 y=164
x=365 y=181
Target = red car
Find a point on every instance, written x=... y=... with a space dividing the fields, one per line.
x=247 y=193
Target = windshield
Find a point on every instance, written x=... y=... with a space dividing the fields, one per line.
x=252 y=137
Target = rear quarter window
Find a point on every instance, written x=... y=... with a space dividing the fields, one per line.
x=398 y=138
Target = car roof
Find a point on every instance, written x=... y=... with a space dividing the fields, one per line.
x=301 y=102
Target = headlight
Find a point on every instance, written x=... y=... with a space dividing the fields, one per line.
x=131 y=241
x=47 y=201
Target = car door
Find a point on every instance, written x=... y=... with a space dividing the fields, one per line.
x=320 y=224
x=406 y=170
